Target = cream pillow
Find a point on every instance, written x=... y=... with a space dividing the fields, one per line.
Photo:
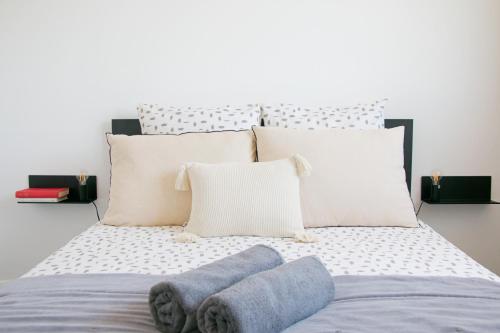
x=144 y=169
x=248 y=199
x=358 y=177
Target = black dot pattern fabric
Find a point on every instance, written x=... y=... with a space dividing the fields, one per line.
x=344 y=250
x=157 y=119
x=360 y=116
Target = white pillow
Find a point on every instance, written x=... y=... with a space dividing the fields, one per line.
x=360 y=116
x=157 y=119
x=252 y=199
x=358 y=177
x=144 y=169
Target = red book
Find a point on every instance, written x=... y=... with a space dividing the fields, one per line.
x=43 y=192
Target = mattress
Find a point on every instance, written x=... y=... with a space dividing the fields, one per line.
x=344 y=251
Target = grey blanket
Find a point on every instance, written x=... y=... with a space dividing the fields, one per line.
x=386 y=304
x=269 y=301
x=77 y=303
x=175 y=300
x=119 y=303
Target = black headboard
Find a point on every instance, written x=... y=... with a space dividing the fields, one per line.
x=132 y=127
x=407 y=144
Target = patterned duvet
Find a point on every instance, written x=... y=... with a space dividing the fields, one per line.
x=344 y=250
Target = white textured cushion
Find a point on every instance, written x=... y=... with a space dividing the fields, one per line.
x=157 y=119
x=144 y=169
x=358 y=177
x=254 y=199
x=360 y=116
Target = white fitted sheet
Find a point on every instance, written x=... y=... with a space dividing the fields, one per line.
x=344 y=250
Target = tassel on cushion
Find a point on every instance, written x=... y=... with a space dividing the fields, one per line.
x=305 y=237
x=182 y=180
x=186 y=237
x=302 y=165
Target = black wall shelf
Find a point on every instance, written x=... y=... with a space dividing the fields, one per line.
x=69 y=181
x=474 y=190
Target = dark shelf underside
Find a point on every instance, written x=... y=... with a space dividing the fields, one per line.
x=461 y=202
x=60 y=202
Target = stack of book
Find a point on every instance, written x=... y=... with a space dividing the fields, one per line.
x=42 y=194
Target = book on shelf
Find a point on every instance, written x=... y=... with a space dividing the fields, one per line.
x=42 y=199
x=43 y=193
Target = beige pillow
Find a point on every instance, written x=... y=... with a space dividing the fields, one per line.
x=144 y=169
x=248 y=199
x=358 y=177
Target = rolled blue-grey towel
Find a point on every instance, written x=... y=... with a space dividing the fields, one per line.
x=174 y=302
x=269 y=301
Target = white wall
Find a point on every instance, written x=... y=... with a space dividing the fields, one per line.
x=68 y=67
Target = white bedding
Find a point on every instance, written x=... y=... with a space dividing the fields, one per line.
x=344 y=250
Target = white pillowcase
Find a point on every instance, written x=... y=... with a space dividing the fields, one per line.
x=360 y=116
x=249 y=199
x=358 y=177
x=157 y=119
x=144 y=169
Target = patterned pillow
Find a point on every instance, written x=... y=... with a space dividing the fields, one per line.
x=156 y=119
x=361 y=116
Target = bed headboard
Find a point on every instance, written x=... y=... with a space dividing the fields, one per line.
x=132 y=127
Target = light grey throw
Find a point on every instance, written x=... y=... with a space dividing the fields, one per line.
x=108 y=303
x=269 y=301
x=174 y=301
x=409 y=304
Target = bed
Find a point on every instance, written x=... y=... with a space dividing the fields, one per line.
x=100 y=279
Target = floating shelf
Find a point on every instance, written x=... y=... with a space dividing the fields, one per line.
x=67 y=201
x=460 y=202
x=68 y=181
x=459 y=190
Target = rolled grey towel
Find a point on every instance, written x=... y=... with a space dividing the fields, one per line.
x=173 y=302
x=269 y=301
